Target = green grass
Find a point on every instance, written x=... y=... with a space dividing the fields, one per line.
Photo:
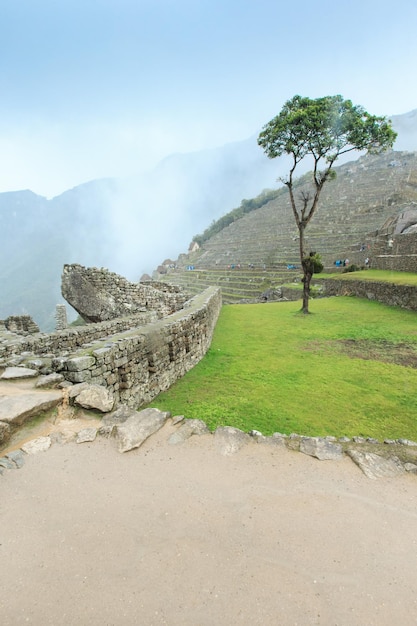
x=273 y=369
x=385 y=276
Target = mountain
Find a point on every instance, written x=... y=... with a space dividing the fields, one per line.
x=129 y=225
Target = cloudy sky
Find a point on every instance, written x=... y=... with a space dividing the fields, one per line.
x=97 y=88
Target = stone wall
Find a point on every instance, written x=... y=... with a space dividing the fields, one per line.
x=395 y=253
x=99 y=295
x=404 y=296
x=134 y=362
x=21 y=324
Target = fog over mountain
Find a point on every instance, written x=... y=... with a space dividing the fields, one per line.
x=130 y=225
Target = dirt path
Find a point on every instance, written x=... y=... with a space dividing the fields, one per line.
x=181 y=535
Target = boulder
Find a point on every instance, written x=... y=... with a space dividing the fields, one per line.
x=376 y=466
x=16 y=410
x=321 y=449
x=95 y=397
x=188 y=428
x=137 y=428
x=50 y=381
x=13 y=373
x=230 y=440
x=119 y=416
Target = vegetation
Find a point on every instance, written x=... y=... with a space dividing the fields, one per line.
x=321 y=130
x=246 y=206
x=382 y=276
x=351 y=370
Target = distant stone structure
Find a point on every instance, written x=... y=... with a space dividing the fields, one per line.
x=99 y=295
x=21 y=325
x=61 y=317
x=394 y=246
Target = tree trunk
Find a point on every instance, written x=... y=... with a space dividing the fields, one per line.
x=307 y=274
x=306 y=288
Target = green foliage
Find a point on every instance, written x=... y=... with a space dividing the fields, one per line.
x=324 y=128
x=78 y=321
x=271 y=369
x=246 y=206
x=352 y=268
x=321 y=129
x=314 y=262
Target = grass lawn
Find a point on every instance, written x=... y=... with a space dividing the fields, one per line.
x=348 y=368
x=383 y=276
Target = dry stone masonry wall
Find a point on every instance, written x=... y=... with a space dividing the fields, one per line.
x=99 y=295
x=404 y=296
x=133 y=359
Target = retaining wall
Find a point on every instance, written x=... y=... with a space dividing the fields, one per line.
x=404 y=296
x=135 y=363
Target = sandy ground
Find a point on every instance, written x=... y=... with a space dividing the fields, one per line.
x=182 y=535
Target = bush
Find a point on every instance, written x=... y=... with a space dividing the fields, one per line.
x=352 y=268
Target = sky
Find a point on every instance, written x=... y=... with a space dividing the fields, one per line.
x=107 y=88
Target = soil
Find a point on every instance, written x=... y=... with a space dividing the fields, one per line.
x=183 y=535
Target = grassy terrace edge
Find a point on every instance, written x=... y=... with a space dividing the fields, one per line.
x=348 y=369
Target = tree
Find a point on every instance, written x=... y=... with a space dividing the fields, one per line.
x=322 y=130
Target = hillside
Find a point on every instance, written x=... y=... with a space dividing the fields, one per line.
x=130 y=226
x=354 y=206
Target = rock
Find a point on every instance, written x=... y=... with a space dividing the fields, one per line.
x=4 y=432
x=187 y=429
x=50 y=381
x=230 y=440
x=86 y=434
x=75 y=390
x=11 y=373
x=6 y=463
x=80 y=363
x=177 y=418
x=407 y=442
x=376 y=466
x=64 y=436
x=410 y=467
x=19 y=408
x=321 y=449
x=119 y=416
x=95 y=397
x=137 y=428
x=17 y=457
x=37 y=445
x=271 y=441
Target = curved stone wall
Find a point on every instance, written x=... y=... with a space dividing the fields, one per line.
x=134 y=362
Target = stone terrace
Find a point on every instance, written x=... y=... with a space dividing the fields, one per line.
x=352 y=209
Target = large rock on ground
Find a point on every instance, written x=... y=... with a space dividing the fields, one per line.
x=321 y=448
x=17 y=409
x=230 y=440
x=119 y=416
x=95 y=397
x=137 y=428
x=376 y=466
x=188 y=428
x=14 y=373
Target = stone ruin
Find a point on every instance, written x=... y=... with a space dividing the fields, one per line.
x=21 y=325
x=99 y=295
